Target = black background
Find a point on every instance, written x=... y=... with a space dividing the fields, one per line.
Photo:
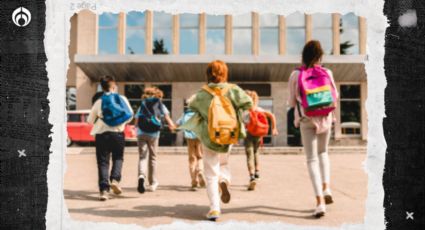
x=24 y=118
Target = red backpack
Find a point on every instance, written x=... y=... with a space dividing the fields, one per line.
x=258 y=125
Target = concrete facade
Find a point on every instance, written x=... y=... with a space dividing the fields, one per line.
x=84 y=41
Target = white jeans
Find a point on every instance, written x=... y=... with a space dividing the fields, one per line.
x=316 y=149
x=216 y=169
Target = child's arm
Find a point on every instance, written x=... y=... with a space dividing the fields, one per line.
x=273 y=120
x=170 y=122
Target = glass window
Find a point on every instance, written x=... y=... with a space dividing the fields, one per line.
x=295 y=33
x=74 y=117
x=189 y=33
x=242 y=34
x=349 y=34
x=162 y=33
x=269 y=34
x=71 y=98
x=215 y=34
x=322 y=30
x=134 y=93
x=350 y=109
x=108 y=33
x=135 y=32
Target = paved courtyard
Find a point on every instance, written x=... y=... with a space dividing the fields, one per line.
x=283 y=194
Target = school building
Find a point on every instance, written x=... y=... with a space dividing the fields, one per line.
x=171 y=52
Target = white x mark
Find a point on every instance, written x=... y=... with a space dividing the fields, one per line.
x=22 y=153
x=409 y=215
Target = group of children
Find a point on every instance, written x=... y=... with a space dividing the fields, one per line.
x=216 y=118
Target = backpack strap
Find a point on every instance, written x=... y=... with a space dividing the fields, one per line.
x=214 y=93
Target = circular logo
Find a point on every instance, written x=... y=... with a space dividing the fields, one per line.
x=21 y=17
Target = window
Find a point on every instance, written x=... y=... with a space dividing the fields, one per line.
x=74 y=117
x=136 y=33
x=71 y=98
x=322 y=30
x=269 y=34
x=350 y=109
x=349 y=34
x=162 y=33
x=134 y=93
x=189 y=33
x=242 y=34
x=295 y=33
x=215 y=34
x=265 y=102
x=108 y=33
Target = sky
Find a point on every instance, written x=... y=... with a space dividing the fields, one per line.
x=135 y=33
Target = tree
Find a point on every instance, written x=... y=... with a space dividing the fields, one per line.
x=159 y=47
x=130 y=50
x=344 y=46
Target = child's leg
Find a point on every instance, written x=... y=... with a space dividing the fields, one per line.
x=192 y=161
x=249 y=150
x=212 y=173
x=322 y=147
x=152 y=146
x=143 y=155
x=257 y=143
x=200 y=164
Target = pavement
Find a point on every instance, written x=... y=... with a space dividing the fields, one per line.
x=283 y=194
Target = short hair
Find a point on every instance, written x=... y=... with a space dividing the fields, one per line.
x=217 y=72
x=312 y=53
x=106 y=82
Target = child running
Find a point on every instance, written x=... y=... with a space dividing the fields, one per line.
x=256 y=121
x=148 y=122
x=196 y=167
x=217 y=122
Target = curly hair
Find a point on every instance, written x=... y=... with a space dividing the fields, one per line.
x=217 y=72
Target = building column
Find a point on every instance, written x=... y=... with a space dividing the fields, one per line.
x=280 y=98
x=86 y=43
x=121 y=32
x=337 y=124
x=335 y=34
x=282 y=35
x=308 y=28
x=176 y=34
x=362 y=35
x=202 y=33
x=149 y=32
x=363 y=113
x=255 y=46
x=228 y=47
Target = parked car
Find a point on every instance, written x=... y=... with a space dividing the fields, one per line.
x=79 y=130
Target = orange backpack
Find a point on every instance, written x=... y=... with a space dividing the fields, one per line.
x=223 y=126
x=258 y=125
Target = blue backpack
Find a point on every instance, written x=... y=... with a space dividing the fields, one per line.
x=115 y=110
x=149 y=118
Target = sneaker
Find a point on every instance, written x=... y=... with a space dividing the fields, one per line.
x=257 y=175
x=213 y=215
x=103 y=196
x=320 y=211
x=115 y=187
x=201 y=178
x=193 y=187
x=153 y=187
x=252 y=184
x=225 y=194
x=328 y=196
x=141 y=185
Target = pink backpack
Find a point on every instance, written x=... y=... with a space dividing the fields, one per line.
x=317 y=92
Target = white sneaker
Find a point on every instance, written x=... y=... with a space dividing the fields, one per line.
x=320 y=211
x=103 y=196
x=328 y=196
x=153 y=187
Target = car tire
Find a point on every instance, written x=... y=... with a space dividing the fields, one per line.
x=68 y=142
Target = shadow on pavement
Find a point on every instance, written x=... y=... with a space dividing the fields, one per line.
x=88 y=195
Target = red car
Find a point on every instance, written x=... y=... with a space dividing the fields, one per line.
x=79 y=130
